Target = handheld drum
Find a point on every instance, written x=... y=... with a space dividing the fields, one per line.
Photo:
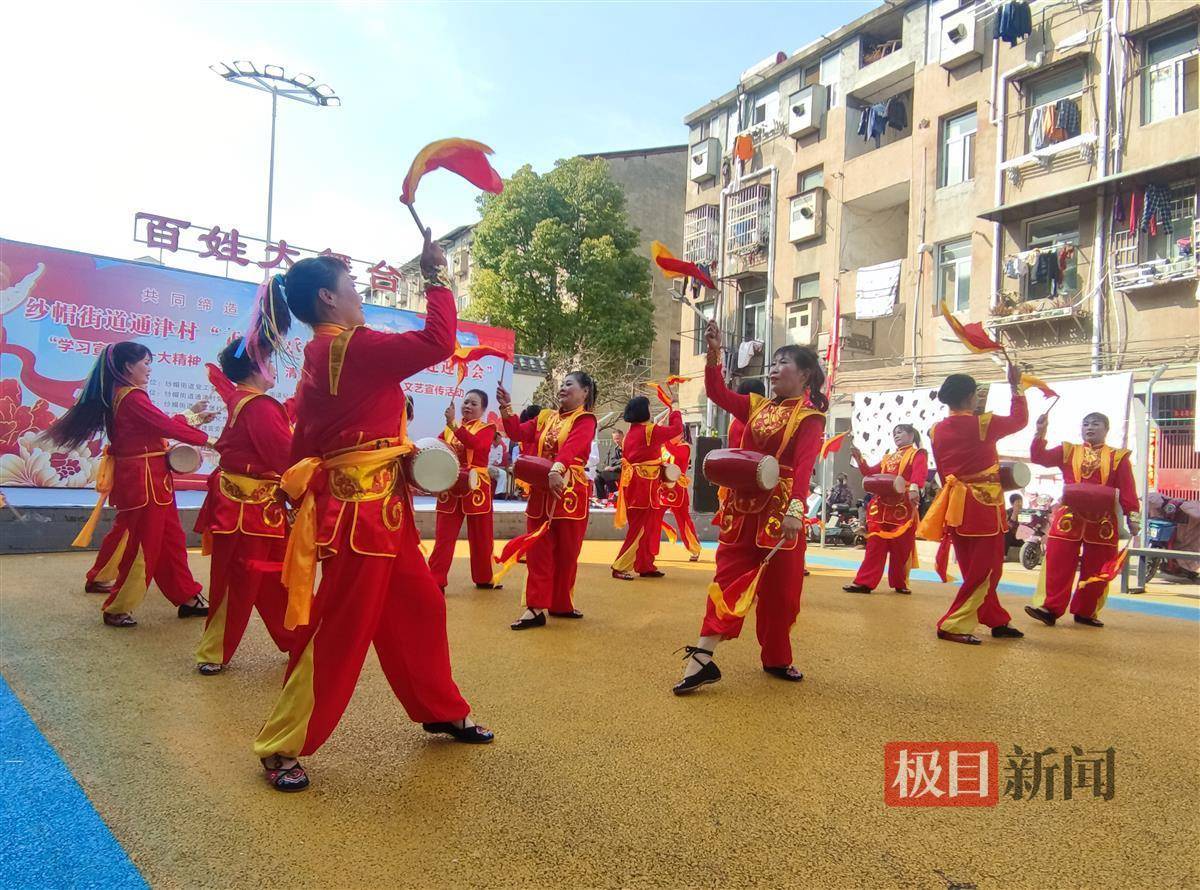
x=741 y=469
x=183 y=458
x=671 y=473
x=466 y=482
x=1090 y=499
x=1014 y=475
x=533 y=471
x=885 y=486
x=432 y=465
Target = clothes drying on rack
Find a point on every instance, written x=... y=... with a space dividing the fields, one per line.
x=1014 y=22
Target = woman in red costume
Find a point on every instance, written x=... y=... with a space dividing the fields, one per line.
x=968 y=512
x=892 y=522
x=356 y=517
x=146 y=542
x=472 y=442
x=638 y=499
x=789 y=426
x=243 y=520
x=560 y=512
x=1081 y=542
x=677 y=496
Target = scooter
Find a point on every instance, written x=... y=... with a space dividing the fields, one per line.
x=1160 y=535
x=1032 y=535
x=843 y=527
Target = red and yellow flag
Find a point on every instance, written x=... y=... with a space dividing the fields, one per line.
x=1028 y=380
x=464 y=355
x=515 y=549
x=833 y=445
x=972 y=335
x=676 y=268
x=467 y=158
x=1111 y=569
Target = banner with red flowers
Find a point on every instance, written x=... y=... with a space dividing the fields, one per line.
x=59 y=308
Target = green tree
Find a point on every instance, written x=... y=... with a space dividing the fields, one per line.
x=555 y=261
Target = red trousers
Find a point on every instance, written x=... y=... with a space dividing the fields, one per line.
x=551 y=564
x=779 y=591
x=391 y=602
x=144 y=544
x=1063 y=559
x=479 y=538
x=687 y=528
x=981 y=561
x=642 y=536
x=896 y=552
x=236 y=586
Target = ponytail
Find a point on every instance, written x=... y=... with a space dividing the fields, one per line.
x=92 y=411
x=806 y=360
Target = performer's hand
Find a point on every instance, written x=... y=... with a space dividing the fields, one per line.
x=557 y=484
x=1042 y=423
x=857 y=455
x=1134 y=525
x=792 y=527
x=432 y=256
x=200 y=409
x=1014 y=374
x=450 y=414
x=712 y=336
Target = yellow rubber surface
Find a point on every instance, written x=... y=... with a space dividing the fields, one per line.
x=599 y=777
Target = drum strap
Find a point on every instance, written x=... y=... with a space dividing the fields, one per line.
x=300 y=562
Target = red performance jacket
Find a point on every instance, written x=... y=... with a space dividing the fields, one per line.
x=137 y=435
x=1100 y=466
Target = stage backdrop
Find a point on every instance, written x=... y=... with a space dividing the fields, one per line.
x=59 y=308
x=876 y=414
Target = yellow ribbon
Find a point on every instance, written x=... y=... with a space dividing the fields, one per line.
x=104 y=485
x=300 y=561
x=627 y=471
x=949 y=506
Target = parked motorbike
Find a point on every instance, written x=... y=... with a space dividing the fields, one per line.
x=1032 y=535
x=842 y=528
x=1160 y=535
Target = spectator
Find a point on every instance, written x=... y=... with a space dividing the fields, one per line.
x=610 y=475
x=841 y=494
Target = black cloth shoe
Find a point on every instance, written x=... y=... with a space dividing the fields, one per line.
x=655 y=574
x=1090 y=622
x=708 y=673
x=788 y=673
x=903 y=590
x=197 y=611
x=488 y=585
x=969 y=639
x=857 y=588
x=538 y=620
x=1043 y=615
x=1006 y=630
x=574 y=613
x=471 y=735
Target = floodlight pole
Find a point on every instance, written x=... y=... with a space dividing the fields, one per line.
x=271 y=169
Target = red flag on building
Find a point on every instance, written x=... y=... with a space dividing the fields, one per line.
x=833 y=352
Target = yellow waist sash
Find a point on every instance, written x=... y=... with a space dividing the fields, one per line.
x=355 y=475
x=247 y=489
x=649 y=469
x=948 y=507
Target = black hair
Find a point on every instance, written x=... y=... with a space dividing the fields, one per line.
x=236 y=367
x=483 y=399
x=687 y=434
x=751 y=385
x=1096 y=415
x=637 y=410
x=1016 y=496
x=583 y=378
x=911 y=430
x=956 y=389
x=296 y=293
x=408 y=407
x=92 y=411
x=806 y=360
x=530 y=413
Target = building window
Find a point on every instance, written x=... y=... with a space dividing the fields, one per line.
x=800 y=323
x=958 y=149
x=706 y=309
x=811 y=76
x=1055 y=240
x=810 y=179
x=1142 y=259
x=754 y=315
x=831 y=76
x=806 y=288
x=1170 y=80
x=703 y=131
x=673 y=358
x=1054 y=108
x=766 y=109
x=954 y=275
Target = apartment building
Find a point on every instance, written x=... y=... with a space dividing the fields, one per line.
x=938 y=151
x=409 y=292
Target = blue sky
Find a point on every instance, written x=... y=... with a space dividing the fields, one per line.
x=119 y=112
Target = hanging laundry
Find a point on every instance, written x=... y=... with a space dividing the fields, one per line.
x=1054 y=132
x=1066 y=115
x=896 y=113
x=743 y=148
x=1047 y=271
x=1013 y=267
x=1014 y=22
x=1118 y=212
x=1157 y=213
x=1136 y=198
x=1037 y=128
x=1064 y=258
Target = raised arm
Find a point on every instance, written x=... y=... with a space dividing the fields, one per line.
x=714 y=387
x=389 y=357
x=1018 y=414
x=518 y=432
x=664 y=433
x=476 y=441
x=137 y=409
x=1039 y=453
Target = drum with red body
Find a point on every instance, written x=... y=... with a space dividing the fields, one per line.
x=888 y=487
x=466 y=482
x=741 y=469
x=1014 y=475
x=671 y=474
x=1090 y=499
x=533 y=471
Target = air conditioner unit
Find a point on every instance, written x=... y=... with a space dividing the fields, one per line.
x=806 y=110
x=807 y=218
x=704 y=160
x=961 y=38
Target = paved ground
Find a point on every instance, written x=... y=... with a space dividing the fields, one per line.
x=599 y=777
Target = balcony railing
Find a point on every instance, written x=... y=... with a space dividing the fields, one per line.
x=749 y=211
x=701 y=234
x=1136 y=264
